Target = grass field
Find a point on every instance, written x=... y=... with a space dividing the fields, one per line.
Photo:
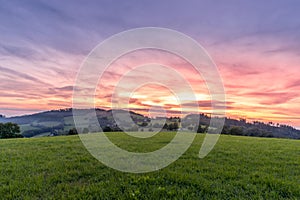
x=237 y=168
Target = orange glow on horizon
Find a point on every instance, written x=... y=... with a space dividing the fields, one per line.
x=259 y=89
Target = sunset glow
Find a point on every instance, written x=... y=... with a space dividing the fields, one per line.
x=43 y=45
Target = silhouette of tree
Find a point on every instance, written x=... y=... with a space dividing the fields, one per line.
x=10 y=130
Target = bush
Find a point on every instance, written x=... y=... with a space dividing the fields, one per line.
x=202 y=129
x=107 y=129
x=73 y=131
x=9 y=130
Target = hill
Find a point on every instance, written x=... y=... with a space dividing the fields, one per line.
x=244 y=128
x=59 y=122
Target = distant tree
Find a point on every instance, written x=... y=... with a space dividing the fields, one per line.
x=202 y=129
x=72 y=131
x=176 y=126
x=173 y=126
x=10 y=130
x=165 y=126
x=107 y=129
x=170 y=127
x=236 y=130
x=254 y=131
x=225 y=130
x=243 y=120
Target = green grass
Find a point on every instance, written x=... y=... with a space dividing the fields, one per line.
x=237 y=168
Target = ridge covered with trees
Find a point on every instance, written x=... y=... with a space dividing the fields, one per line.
x=60 y=122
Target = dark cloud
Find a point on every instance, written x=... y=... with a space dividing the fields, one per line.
x=65 y=88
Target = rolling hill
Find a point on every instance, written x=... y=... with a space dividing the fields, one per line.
x=59 y=122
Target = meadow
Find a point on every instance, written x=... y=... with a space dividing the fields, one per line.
x=237 y=168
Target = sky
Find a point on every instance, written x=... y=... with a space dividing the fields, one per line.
x=255 y=45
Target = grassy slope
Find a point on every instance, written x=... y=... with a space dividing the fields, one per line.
x=237 y=168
